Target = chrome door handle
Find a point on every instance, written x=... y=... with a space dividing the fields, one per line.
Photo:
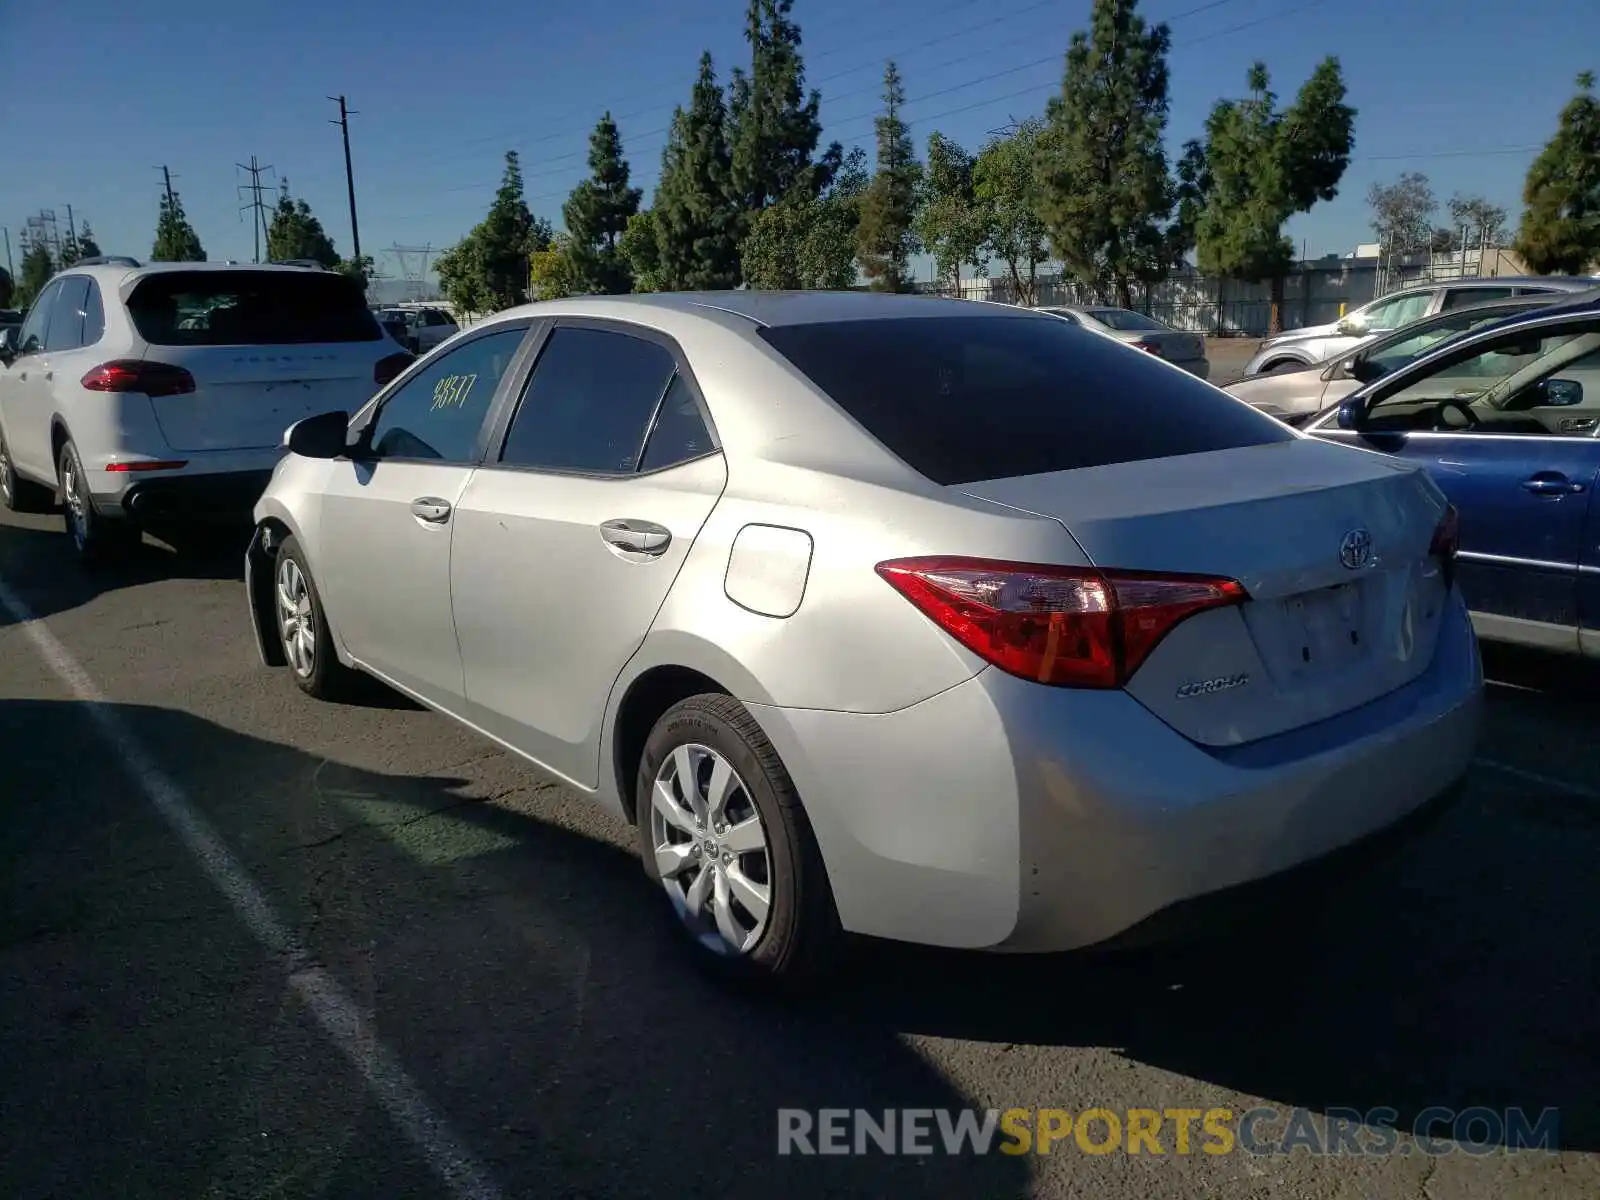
x=1548 y=485
x=635 y=537
x=431 y=509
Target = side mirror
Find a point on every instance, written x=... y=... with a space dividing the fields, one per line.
x=1352 y=413
x=1361 y=369
x=1558 y=393
x=1348 y=327
x=323 y=436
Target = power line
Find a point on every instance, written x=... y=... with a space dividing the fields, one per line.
x=876 y=62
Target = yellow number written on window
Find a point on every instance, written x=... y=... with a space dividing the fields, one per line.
x=452 y=391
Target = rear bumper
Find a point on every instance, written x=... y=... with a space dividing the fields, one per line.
x=204 y=499
x=1000 y=814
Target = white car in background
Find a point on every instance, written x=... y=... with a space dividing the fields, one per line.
x=157 y=396
x=1186 y=350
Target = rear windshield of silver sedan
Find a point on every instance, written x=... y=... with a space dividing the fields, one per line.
x=963 y=399
x=250 y=308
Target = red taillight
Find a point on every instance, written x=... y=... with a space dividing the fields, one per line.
x=137 y=375
x=1148 y=347
x=387 y=370
x=1446 y=542
x=176 y=464
x=1068 y=626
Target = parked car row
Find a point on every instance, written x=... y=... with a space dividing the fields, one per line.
x=952 y=623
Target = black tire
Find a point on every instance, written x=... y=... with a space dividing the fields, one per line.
x=20 y=495
x=802 y=942
x=326 y=678
x=97 y=539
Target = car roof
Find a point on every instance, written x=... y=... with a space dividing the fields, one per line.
x=768 y=309
x=1565 y=283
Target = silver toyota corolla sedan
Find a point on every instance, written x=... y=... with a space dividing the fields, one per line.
x=937 y=621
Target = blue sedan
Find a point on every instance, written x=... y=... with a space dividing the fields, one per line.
x=1505 y=418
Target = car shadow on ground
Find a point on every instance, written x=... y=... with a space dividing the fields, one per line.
x=37 y=559
x=519 y=970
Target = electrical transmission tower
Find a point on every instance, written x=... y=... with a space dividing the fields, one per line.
x=412 y=262
x=258 y=222
x=41 y=231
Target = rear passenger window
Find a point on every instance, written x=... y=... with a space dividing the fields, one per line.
x=680 y=434
x=66 y=321
x=94 y=316
x=963 y=399
x=439 y=412
x=590 y=402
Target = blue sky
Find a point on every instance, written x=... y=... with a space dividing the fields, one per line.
x=1464 y=92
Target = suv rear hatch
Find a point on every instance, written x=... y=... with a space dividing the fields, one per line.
x=265 y=349
x=1334 y=549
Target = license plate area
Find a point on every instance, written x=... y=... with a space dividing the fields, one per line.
x=1324 y=630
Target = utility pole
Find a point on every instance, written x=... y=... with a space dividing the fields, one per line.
x=258 y=221
x=72 y=232
x=349 y=174
x=11 y=268
x=166 y=177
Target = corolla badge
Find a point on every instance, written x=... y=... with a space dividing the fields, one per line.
x=1355 y=550
x=1205 y=687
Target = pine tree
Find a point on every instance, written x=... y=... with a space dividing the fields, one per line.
x=1560 y=229
x=597 y=214
x=1266 y=165
x=295 y=232
x=696 y=223
x=488 y=270
x=885 y=240
x=1104 y=191
x=36 y=269
x=176 y=240
x=774 y=123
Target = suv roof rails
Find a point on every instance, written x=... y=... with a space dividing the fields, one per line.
x=107 y=260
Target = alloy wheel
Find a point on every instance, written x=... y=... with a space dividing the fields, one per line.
x=77 y=506
x=296 y=621
x=711 y=850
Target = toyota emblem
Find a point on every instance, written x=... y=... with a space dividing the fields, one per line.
x=1355 y=550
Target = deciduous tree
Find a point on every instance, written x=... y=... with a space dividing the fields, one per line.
x=1104 y=191
x=1560 y=229
x=551 y=273
x=809 y=243
x=176 y=240
x=950 y=222
x=597 y=213
x=296 y=232
x=885 y=239
x=1267 y=164
x=1402 y=213
x=641 y=247
x=1004 y=184
x=1485 y=223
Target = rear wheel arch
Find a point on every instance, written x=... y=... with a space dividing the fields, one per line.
x=644 y=703
x=60 y=435
x=1281 y=361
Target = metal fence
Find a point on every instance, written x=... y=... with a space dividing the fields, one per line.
x=1313 y=293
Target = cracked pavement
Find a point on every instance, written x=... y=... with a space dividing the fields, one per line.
x=499 y=936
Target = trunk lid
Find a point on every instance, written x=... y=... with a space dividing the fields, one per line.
x=1317 y=637
x=246 y=396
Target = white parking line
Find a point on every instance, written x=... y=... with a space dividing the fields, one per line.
x=341 y=1019
x=1549 y=781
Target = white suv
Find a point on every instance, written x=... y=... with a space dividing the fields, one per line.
x=157 y=396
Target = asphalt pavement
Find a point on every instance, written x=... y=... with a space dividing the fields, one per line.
x=255 y=945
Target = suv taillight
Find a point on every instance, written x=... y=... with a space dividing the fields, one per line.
x=387 y=370
x=139 y=375
x=1067 y=626
x=1147 y=347
x=1447 y=542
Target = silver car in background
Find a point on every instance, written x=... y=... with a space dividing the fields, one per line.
x=871 y=614
x=1318 y=343
x=1296 y=395
x=1186 y=350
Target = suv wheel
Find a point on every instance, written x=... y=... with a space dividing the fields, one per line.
x=18 y=494
x=98 y=539
x=723 y=834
